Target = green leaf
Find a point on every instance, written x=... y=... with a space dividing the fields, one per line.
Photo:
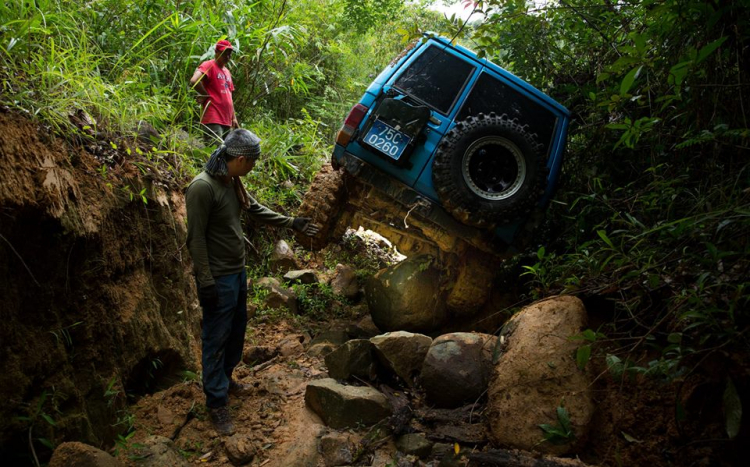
x=583 y=354
x=707 y=50
x=732 y=410
x=49 y=419
x=564 y=418
x=629 y=79
x=614 y=364
x=617 y=126
x=40 y=403
x=547 y=428
x=640 y=43
x=589 y=335
x=554 y=434
x=678 y=72
x=623 y=62
x=629 y=438
x=603 y=235
x=46 y=443
x=715 y=17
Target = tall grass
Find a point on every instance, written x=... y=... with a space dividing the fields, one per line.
x=297 y=70
x=54 y=63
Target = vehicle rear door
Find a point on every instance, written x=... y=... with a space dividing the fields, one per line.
x=436 y=78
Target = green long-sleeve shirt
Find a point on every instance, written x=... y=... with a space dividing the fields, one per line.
x=215 y=238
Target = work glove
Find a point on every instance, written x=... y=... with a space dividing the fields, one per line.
x=304 y=225
x=208 y=296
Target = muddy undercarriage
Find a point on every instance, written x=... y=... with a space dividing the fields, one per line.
x=355 y=196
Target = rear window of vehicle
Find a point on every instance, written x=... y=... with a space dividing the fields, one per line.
x=491 y=95
x=435 y=78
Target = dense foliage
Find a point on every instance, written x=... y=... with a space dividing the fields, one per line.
x=655 y=212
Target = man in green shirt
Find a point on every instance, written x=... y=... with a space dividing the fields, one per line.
x=215 y=200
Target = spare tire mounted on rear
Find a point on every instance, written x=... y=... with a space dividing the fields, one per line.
x=488 y=170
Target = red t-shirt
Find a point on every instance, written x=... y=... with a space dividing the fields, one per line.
x=218 y=108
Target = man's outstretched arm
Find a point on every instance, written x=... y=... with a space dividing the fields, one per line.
x=264 y=215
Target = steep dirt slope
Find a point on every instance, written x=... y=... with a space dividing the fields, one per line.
x=97 y=295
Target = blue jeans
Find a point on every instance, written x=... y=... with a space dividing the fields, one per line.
x=223 y=336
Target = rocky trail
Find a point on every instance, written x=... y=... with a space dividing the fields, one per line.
x=296 y=415
x=345 y=394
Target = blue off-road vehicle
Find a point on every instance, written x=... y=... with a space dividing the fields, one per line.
x=447 y=154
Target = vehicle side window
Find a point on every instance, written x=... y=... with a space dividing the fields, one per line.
x=491 y=95
x=436 y=78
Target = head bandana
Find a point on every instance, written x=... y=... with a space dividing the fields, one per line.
x=238 y=143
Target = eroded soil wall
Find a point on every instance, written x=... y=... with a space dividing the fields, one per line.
x=96 y=293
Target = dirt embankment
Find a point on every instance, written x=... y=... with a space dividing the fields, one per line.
x=97 y=294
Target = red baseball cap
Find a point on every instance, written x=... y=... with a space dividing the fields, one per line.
x=223 y=45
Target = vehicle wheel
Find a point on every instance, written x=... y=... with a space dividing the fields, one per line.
x=488 y=170
x=322 y=203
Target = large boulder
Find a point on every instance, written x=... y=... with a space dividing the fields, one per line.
x=353 y=359
x=538 y=373
x=402 y=352
x=342 y=406
x=457 y=368
x=407 y=296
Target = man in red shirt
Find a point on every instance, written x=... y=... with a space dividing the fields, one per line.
x=213 y=82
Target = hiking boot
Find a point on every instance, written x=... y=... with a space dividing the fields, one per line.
x=239 y=389
x=222 y=420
